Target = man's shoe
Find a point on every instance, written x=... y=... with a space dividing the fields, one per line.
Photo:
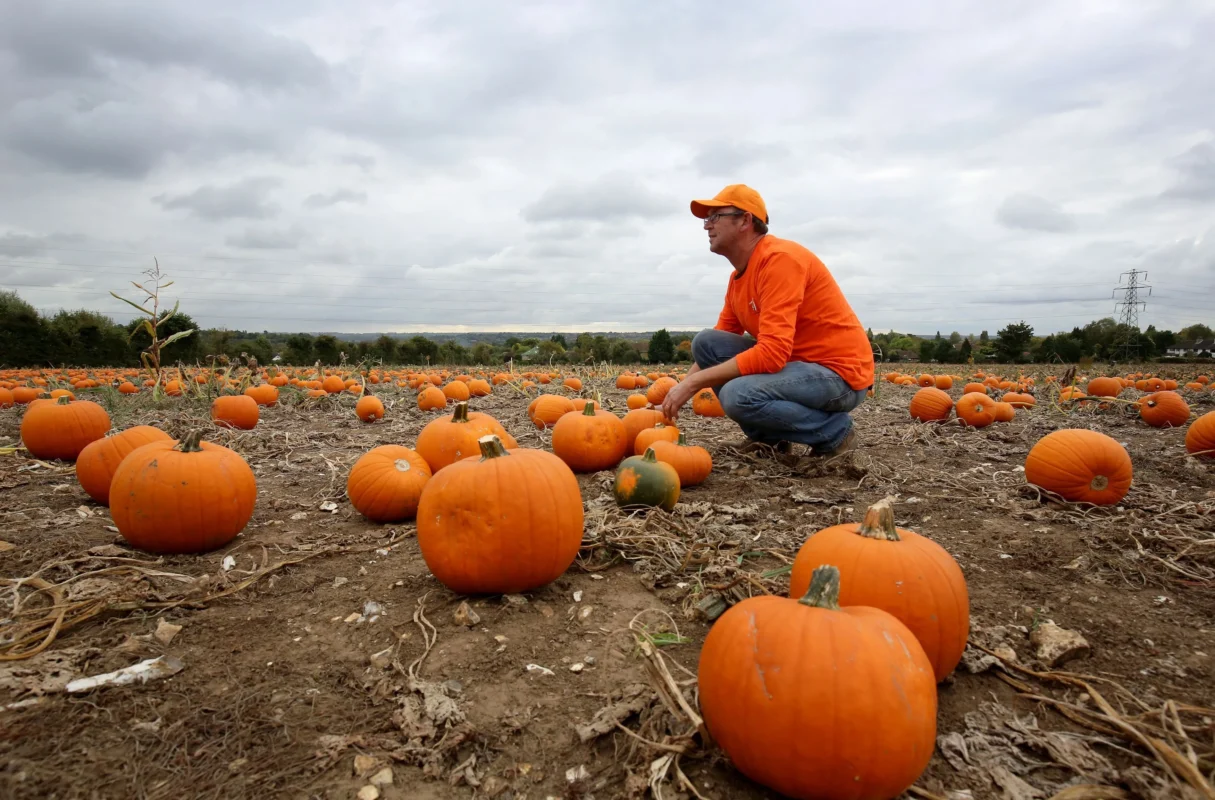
x=848 y=444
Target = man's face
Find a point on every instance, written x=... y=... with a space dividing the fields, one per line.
x=725 y=226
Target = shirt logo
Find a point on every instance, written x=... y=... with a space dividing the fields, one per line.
x=754 y=307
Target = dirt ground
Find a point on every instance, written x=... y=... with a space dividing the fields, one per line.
x=327 y=652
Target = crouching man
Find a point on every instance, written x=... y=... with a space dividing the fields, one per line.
x=810 y=361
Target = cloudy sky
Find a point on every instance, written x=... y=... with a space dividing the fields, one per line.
x=316 y=165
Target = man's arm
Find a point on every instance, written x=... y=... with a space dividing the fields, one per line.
x=781 y=288
x=694 y=381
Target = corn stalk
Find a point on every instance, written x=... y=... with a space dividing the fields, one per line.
x=151 y=322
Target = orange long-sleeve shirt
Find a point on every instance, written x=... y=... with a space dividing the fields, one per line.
x=788 y=300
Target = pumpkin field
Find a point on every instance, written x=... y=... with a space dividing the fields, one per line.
x=429 y=582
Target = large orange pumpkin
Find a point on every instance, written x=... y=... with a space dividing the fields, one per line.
x=638 y=419
x=386 y=483
x=369 y=408
x=98 y=461
x=61 y=428
x=1103 y=387
x=814 y=700
x=661 y=432
x=546 y=409
x=235 y=411
x=182 y=497
x=504 y=522
x=432 y=399
x=448 y=439
x=705 y=403
x=1164 y=409
x=931 y=405
x=898 y=571
x=977 y=410
x=658 y=390
x=1081 y=466
x=693 y=464
x=1200 y=437
x=590 y=441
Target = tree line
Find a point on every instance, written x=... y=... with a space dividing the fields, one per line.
x=89 y=339
x=1102 y=339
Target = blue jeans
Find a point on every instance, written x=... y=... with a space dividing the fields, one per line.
x=803 y=403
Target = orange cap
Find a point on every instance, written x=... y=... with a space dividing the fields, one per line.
x=738 y=195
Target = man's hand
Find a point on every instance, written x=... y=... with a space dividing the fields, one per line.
x=679 y=394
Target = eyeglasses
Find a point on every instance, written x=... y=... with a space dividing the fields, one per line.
x=716 y=216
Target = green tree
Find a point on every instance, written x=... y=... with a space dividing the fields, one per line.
x=869 y=333
x=944 y=352
x=452 y=352
x=23 y=335
x=662 y=349
x=964 y=351
x=623 y=353
x=550 y=350
x=983 y=337
x=927 y=349
x=260 y=348
x=601 y=348
x=1013 y=340
x=385 y=349
x=559 y=338
x=426 y=350
x=482 y=353
x=299 y=350
x=327 y=349
x=955 y=338
x=1193 y=333
x=87 y=339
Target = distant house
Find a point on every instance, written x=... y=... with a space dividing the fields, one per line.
x=1195 y=349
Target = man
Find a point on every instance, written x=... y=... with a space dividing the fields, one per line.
x=810 y=362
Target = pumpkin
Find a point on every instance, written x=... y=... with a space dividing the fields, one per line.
x=943 y=382
x=263 y=394
x=1019 y=400
x=931 y=405
x=1164 y=409
x=659 y=433
x=815 y=700
x=626 y=382
x=580 y=403
x=432 y=398
x=507 y=522
x=974 y=387
x=369 y=408
x=705 y=403
x=644 y=481
x=573 y=384
x=456 y=390
x=658 y=390
x=927 y=380
x=97 y=462
x=1003 y=412
x=6 y=398
x=1103 y=387
x=333 y=385
x=1080 y=466
x=1200 y=438
x=692 y=464
x=479 y=387
x=546 y=409
x=235 y=411
x=386 y=483
x=638 y=419
x=635 y=401
x=182 y=497
x=976 y=410
x=899 y=571
x=61 y=428
x=590 y=441
x=448 y=439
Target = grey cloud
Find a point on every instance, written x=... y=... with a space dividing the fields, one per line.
x=1032 y=213
x=245 y=199
x=71 y=39
x=333 y=198
x=1196 y=167
x=615 y=196
x=731 y=158
x=24 y=244
x=365 y=163
x=268 y=238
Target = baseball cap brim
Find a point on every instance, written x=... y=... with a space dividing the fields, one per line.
x=700 y=208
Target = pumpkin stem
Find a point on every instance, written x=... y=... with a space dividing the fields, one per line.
x=824 y=591
x=683 y=440
x=649 y=455
x=461 y=412
x=589 y=409
x=62 y=400
x=491 y=447
x=879 y=522
x=190 y=444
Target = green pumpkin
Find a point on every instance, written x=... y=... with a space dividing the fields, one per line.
x=644 y=481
